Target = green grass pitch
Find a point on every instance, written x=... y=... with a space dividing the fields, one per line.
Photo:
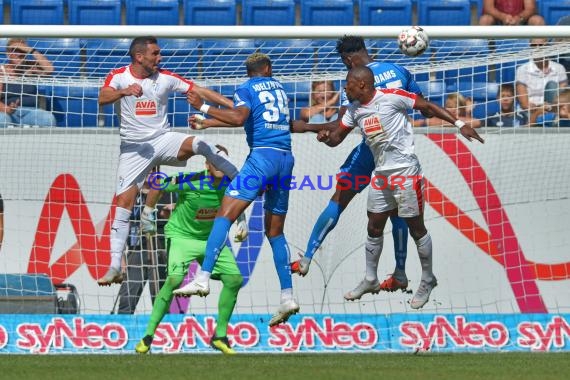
x=425 y=366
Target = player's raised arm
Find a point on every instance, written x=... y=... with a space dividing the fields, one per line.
x=235 y=117
x=301 y=126
x=213 y=96
x=429 y=108
x=108 y=94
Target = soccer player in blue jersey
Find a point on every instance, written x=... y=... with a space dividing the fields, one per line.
x=261 y=106
x=358 y=164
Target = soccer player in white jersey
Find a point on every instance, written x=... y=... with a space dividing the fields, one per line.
x=397 y=183
x=143 y=89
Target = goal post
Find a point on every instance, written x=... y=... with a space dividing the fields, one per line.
x=496 y=211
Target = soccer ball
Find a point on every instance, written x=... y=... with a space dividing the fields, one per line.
x=413 y=41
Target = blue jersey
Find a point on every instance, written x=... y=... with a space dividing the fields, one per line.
x=268 y=122
x=389 y=75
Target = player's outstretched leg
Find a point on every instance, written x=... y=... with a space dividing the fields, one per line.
x=429 y=281
x=398 y=280
x=370 y=284
x=288 y=305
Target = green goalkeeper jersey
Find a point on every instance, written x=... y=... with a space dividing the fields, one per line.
x=197 y=205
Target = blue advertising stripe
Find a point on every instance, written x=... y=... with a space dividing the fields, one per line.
x=52 y=334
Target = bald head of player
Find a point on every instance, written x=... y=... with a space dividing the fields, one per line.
x=360 y=84
x=258 y=65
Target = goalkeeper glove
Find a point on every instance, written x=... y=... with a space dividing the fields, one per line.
x=148 y=220
x=242 y=229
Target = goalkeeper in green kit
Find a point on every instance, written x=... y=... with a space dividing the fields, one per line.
x=199 y=197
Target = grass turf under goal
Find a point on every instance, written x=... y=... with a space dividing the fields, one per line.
x=517 y=366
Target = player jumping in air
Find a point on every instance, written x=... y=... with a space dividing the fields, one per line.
x=146 y=140
x=397 y=181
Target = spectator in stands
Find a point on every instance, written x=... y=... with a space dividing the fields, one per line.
x=538 y=81
x=1 y=221
x=509 y=114
x=563 y=109
x=141 y=266
x=460 y=107
x=510 y=12
x=20 y=104
x=324 y=103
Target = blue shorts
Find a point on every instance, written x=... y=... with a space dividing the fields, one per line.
x=355 y=173
x=269 y=170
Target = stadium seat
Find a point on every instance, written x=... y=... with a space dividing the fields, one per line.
x=478 y=91
x=505 y=71
x=63 y=54
x=327 y=12
x=469 y=51
x=152 y=12
x=75 y=106
x=105 y=55
x=41 y=12
x=387 y=50
x=209 y=12
x=328 y=59
x=385 y=12
x=444 y=12
x=434 y=91
x=289 y=56
x=268 y=12
x=554 y=10
x=299 y=94
x=180 y=55
x=223 y=58
x=546 y=119
x=482 y=111
x=94 y=12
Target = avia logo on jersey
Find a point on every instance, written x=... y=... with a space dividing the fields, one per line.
x=206 y=213
x=330 y=334
x=372 y=125
x=459 y=333
x=145 y=108
x=79 y=334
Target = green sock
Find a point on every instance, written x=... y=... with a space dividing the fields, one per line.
x=228 y=297
x=162 y=302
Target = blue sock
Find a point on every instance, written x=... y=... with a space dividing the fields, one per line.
x=325 y=224
x=400 y=235
x=216 y=242
x=281 y=257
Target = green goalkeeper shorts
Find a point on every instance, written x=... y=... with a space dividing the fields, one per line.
x=182 y=251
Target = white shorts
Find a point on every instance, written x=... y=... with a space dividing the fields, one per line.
x=137 y=158
x=400 y=189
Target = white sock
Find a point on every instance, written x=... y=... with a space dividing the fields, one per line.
x=217 y=157
x=203 y=276
x=286 y=294
x=373 y=250
x=425 y=254
x=119 y=234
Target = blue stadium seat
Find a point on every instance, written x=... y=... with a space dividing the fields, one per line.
x=434 y=91
x=553 y=10
x=209 y=12
x=42 y=12
x=482 y=111
x=385 y=12
x=505 y=71
x=63 y=54
x=105 y=55
x=290 y=56
x=180 y=55
x=444 y=12
x=268 y=12
x=225 y=57
x=328 y=59
x=466 y=50
x=94 y=12
x=152 y=12
x=75 y=106
x=387 y=50
x=327 y=12
x=299 y=94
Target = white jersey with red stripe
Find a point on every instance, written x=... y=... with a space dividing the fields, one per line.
x=386 y=128
x=145 y=117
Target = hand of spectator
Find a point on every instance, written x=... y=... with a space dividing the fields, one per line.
x=333 y=100
x=21 y=46
x=511 y=20
x=11 y=108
